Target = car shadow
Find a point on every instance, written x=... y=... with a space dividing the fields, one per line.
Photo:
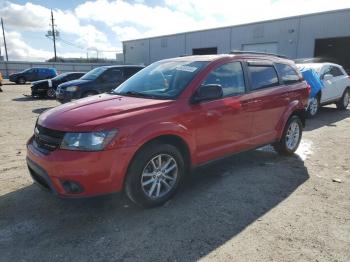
x=215 y=204
x=41 y=110
x=25 y=98
x=327 y=116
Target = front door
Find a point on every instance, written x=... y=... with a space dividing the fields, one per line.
x=110 y=79
x=223 y=126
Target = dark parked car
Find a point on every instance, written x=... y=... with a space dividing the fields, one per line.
x=99 y=80
x=33 y=74
x=47 y=87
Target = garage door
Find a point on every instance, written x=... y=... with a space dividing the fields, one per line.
x=264 y=47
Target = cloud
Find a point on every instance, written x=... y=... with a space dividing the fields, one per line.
x=136 y=19
x=18 y=49
x=36 y=18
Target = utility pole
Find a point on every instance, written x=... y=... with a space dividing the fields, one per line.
x=53 y=34
x=3 y=33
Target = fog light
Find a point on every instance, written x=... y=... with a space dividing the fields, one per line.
x=72 y=187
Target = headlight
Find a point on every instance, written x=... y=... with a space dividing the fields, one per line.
x=94 y=141
x=72 y=88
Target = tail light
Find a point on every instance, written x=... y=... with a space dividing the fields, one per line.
x=308 y=87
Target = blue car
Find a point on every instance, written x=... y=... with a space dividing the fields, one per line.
x=33 y=74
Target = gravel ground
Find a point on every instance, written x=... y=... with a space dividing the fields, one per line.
x=255 y=206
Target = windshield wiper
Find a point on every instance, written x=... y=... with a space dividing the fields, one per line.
x=134 y=93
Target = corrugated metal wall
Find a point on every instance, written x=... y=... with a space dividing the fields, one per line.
x=295 y=37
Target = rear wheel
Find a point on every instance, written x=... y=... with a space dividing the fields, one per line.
x=154 y=175
x=50 y=93
x=344 y=101
x=291 y=137
x=313 y=107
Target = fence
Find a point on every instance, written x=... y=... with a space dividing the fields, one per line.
x=7 y=68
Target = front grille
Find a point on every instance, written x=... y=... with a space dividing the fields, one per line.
x=47 y=139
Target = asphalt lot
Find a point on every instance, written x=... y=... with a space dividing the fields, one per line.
x=255 y=206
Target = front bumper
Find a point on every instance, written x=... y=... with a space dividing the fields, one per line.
x=96 y=173
x=65 y=96
x=38 y=91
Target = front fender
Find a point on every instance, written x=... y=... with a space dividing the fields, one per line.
x=151 y=131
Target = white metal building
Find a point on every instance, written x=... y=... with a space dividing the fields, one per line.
x=325 y=34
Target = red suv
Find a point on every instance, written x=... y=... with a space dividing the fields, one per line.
x=170 y=117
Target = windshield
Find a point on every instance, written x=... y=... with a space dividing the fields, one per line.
x=59 y=77
x=163 y=80
x=27 y=70
x=94 y=73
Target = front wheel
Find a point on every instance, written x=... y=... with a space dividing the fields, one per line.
x=89 y=93
x=291 y=137
x=313 y=107
x=154 y=175
x=344 y=101
x=50 y=93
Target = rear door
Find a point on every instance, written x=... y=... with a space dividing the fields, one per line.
x=270 y=100
x=223 y=126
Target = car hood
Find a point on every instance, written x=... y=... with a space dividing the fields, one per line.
x=98 y=112
x=39 y=82
x=77 y=82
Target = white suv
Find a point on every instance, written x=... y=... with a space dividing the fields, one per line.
x=336 y=86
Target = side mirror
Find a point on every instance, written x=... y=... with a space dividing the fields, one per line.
x=327 y=77
x=207 y=93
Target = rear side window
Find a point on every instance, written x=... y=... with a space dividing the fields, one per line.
x=335 y=71
x=287 y=74
x=230 y=77
x=263 y=77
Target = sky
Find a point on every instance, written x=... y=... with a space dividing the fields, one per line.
x=97 y=27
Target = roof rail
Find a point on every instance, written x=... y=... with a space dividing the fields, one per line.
x=234 y=52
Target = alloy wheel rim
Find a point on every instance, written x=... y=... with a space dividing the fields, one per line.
x=313 y=106
x=50 y=93
x=293 y=136
x=159 y=176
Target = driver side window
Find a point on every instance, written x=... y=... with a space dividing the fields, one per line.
x=113 y=75
x=230 y=77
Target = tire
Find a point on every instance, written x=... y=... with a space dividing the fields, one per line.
x=20 y=81
x=147 y=186
x=286 y=146
x=344 y=101
x=89 y=93
x=313 y=107
x=50 y=93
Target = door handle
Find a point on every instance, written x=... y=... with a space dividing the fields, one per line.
x=249 y=102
